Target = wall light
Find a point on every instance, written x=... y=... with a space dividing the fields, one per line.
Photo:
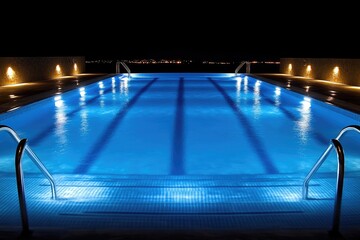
x=308 y=71
x=10 y=73
x=290 y=67
x=75 y=68
x=58 y=69
x=335 y=74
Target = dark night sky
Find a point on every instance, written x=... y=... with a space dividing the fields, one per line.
x=186 y=30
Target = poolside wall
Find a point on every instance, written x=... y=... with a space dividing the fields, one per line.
x=348 y=70
x=31 y=69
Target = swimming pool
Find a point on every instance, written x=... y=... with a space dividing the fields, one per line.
x=179 y=124
x=183 y=130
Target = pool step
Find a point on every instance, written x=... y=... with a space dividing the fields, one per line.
x=179 y=202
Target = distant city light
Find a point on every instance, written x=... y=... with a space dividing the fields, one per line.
x=75 y=67
x=336 y=70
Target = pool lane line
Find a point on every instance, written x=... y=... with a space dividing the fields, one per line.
x=177 y=152
x=96 y=149
x=317 y=135
x=294 y=118
x=258 y=146
x=37 y=139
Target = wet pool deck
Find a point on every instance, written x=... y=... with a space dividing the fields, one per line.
x=344 y=96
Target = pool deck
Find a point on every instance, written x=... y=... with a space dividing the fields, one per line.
x=16 y=95
x=344 y=96
x=341 y=95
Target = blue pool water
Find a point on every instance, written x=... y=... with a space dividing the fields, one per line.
x=179 y=124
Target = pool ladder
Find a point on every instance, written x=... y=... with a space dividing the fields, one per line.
x=119 y=63
x=22 y=146
x=248 y=64
x=335 y=143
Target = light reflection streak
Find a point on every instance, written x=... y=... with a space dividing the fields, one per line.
x=257 y=105
x=124 y=87
x=83 y=113
x=84 y=121
x=246 y=89
x=238 y=89
x=113 y=85
x=277 y=96
x=304 y=123
x=101 y=93
x=182 y=195
x=60 y=119
x=82 y=93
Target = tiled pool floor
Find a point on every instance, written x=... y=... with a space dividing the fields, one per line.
x=179 y=203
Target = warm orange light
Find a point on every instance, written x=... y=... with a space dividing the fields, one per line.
x=336 y=70
x=308 y=68
x=10 y=73
x=75 y=67
x=290 y=67
x=58 y=69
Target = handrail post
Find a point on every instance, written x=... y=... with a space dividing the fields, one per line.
x=339 y=187
x=317 y=165
x=21 y=188
x=248 y=64
x=126 y=68
x=118 y=63
x=118 y=67
x=34 y=158
x=313 y=170
x=239 y=67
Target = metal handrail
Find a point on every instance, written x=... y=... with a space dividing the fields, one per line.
x=20 y=187
x=241 y=65
x=33 y=156
x=323 y=157
x=339 y=186
x=124 y=65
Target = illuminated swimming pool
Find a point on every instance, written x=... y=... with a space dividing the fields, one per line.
x=179 y=124
x=197 y=135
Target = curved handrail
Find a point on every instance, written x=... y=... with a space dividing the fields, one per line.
x=20 y=186
x=241 y=65
x=339 y=185
x=124 y=65
x=33 y=156
x=323 y=157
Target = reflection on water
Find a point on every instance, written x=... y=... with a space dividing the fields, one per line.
x=60 y=119
x=257 y=105
x=246 y=89
x=238 y=89
x=84 y=121
x=303 y=125
x=124 y=86
x=113 y=85
x=83 y=112
x=82 y=96
x=277 y=96
x=183 y=195
x=101 y=93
